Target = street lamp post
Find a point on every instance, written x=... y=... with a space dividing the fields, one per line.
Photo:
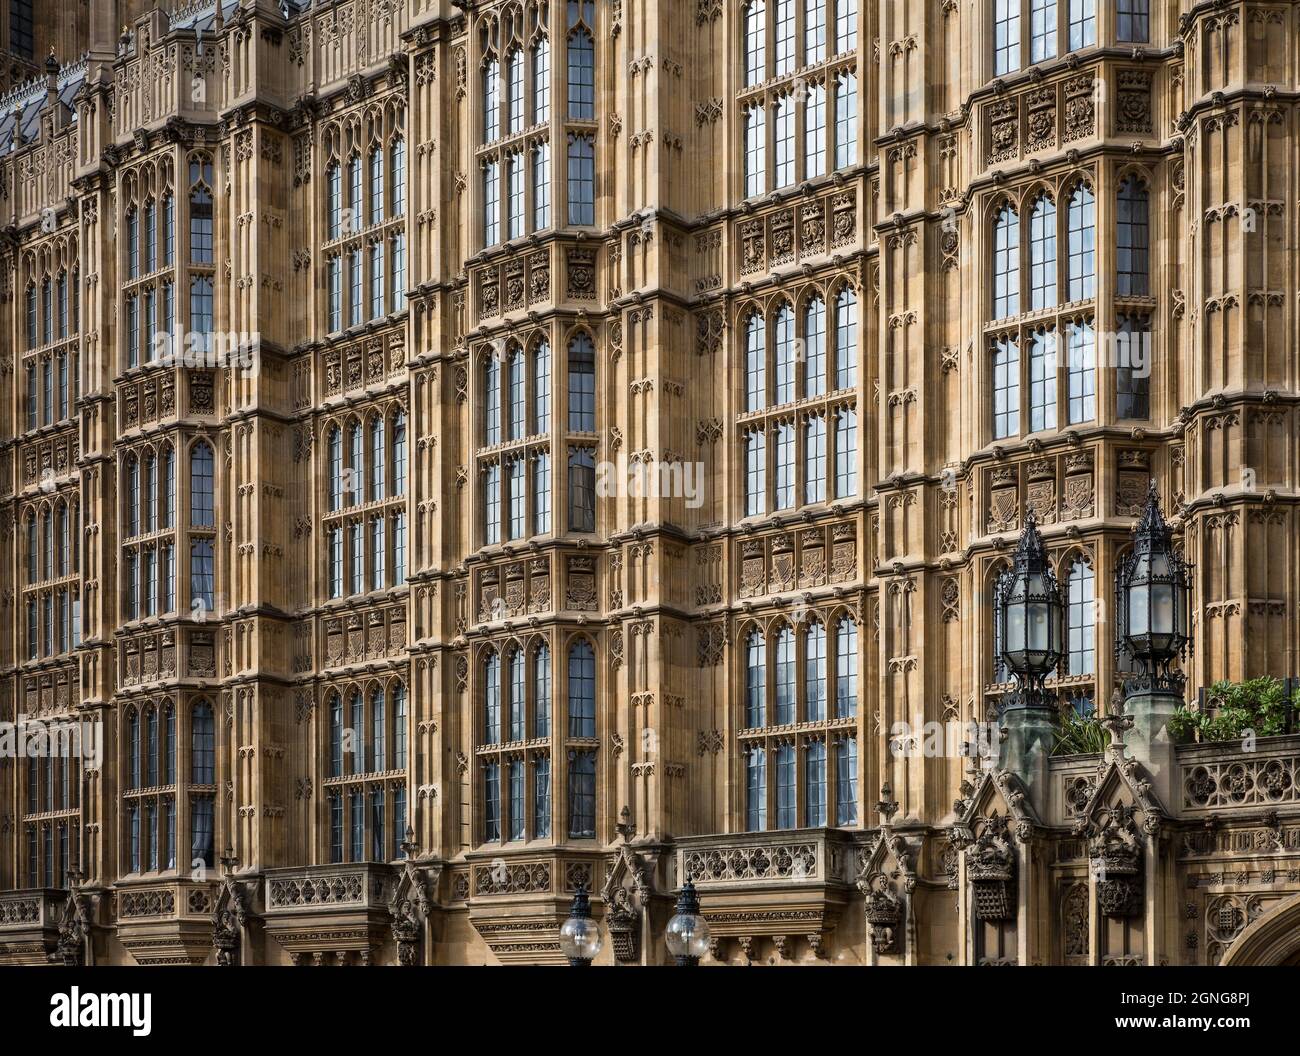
x=1030 y=621
x=688 y=932
x=1152 y=602
x=580 y=935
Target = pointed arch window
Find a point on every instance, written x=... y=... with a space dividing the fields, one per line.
x=378 y=731
x=399 y=726
x=202 y=511
x=377 y=456
x=815 y=674
x=491 y=100
x=517 y=695
x=1082 y=218
x=541 y=81
x=203 y=755
x=755 y=42
x=492 y=699
x=784 y=680
x=755 y=364
x=582 y=385
x=582 y=71
x=814 y=382
x=1006 y=263
x=1132 y=231
x=846 y=339
x=1042 y=254
x=515 y=91
x=201 y=244
x=1081 y=630
x=133 y=747
x=399 y=453
x=755 y=680
x=846 y=668
x=542 y=692
x=846 y=120
x=783 y=342
x=336 y=736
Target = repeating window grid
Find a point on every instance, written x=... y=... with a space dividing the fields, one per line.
x=755 y=364
x=492 y=505
x=492 y=699
x=1042 y=380
x=491 y=101
x=517 y=814
x=755 y=151
x=1082 y=352
x=814 y=135
x=582 y=385
x=377 y=288
x=356 y=279
x=755 y=42
x=542 y=494
x=784 y=349
x=515 y=92
x=491 y=204
x=202 y=575
x=517 y=702
x=542 y=797
x=1082 y=243
x=1042 y=30
x=846 y=120
x=356 y=554
x=846 y=669
x=1006 y=36
x=334 y=309
x=1006 y=263
x=1081 y=656
x=815 y=460
x=1006 y=388
x=814 y=358
x=515 y=195
x=582 y=76
x=518 y=498
x=399 y=453
x=582 y=794
x=334 y=560
x=397 y=162
x=1042 y=254
x=1132 y=262
x=492 y=401
x=1083 y=24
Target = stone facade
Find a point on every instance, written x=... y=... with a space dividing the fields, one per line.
x=459 y=634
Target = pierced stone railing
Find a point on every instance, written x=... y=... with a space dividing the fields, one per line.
x=794 y=856
x=1218 y=777
x=341 y=886
x=28 y=909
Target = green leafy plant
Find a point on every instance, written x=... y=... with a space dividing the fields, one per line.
x=1232 y=708
x=1079 y=735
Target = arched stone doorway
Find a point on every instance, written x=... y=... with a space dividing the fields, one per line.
x=1273 y=939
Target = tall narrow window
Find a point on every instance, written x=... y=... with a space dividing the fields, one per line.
x=814 y=360
x=846 y=453
x=542 y=387
x=356 y=555
x=814 y=132
x=491 y=101
x=518 y=816
x=755 y=364
x=582 y=794
x=201 y=575
x=541 y=81
x=542 y=691
x=1006 y=388
x=202 y=513
x=150 y=237
x=378 y=731
x=201 y=320
x=399 y=271
x=133 y=746
x=515 y=195
x=783 y=492
x=846 y=339
x=755 y=42
x=517 y=409
x=814 y=784
x=1006 y=36
x=846 y=26
x=1006 y=263
x=492 y=504
x=377 y=288
x=518 y=486
x=491 y=204
x=201 y=212
x=62 y=295
x=784 y=678
x=1082 y=352
x=1132 y=226
x=1083 y=244
x=399 y=548
x=1133 y=21
x=785 y=787
x=516 y=701
x=397 y=163
x=846 y=669
x=132 y=497
x=334 y=561
x=1042 y=380
x=814 y=31
x=783 y=134
x=492 y=400
x=399 y=453
x=356 y=825
x=335 y=447
x=755 y=150
x=582 y=76
x=755 y=473
x=1083 y=24
x=783 y=346
x=334 y=199
x=132 y=247
x=336 y=736
x=541 y=186
x=33 y=334
x=334 y=296
x=846 y=783
x=784 y=57
x=582 y=690
x=203 y=754
x=541 y=493
x=399 y=727
x=377 y=455
x=1082 y=650
x=814 y=671
x=378 y=832
x=1042 y=30
x=582 y=181
x=541 y=796
x=356 y=279
x=815 y=459
x=1042 y=254
x=133 y=329
x=755 y=680
x=582 y=385
x=846 y=120
x=756 y=789
x=492 y=699
x=357 y=466
x=1133 y=368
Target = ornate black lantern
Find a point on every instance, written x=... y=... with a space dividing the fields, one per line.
x=1030 y=617
x=580 y=935
x=688 y=932
x=1152 y=593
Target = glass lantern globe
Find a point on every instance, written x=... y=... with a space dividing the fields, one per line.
x=1030 y=613
x=687 y=935
x=580 y=935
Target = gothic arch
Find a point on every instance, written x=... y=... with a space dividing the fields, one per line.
x=1273 y=939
